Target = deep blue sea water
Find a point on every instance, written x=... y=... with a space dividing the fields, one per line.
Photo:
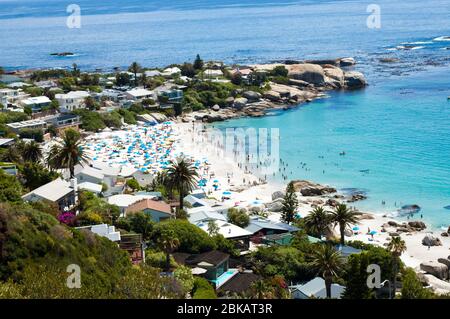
x=397 y=130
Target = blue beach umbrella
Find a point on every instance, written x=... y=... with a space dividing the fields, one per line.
x=356 y=228
x=373 y=232
x=226 y=193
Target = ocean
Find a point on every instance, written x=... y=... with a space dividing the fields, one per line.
x=395 y=133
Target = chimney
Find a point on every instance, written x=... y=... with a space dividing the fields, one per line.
x=74 y=186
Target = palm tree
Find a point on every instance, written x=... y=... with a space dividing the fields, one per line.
x=68 y=153
x=344 y=217
x=182 y=176
x=396 y=246
x=168 y=243
x=213 y=228
x=135 y=68
x=31 y=152
x=317 y=222
x=328 y=262
x=260 y=289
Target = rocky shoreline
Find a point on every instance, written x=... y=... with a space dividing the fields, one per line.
x=307 y=81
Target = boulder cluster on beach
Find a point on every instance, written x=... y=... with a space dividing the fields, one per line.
x=307 y=81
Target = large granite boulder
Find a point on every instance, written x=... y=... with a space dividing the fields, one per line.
x=347 y=62
x=311 y=73
x=436 y=269
x=310 y=191
x=275 y=206
x=444 y=261
x=278 y=194
x=439 y=287
x=418 y=225
x=334 y=76
x=272 y=96
x=239 y=103
x=252 y=95
x=430 y=240
x=354 y=80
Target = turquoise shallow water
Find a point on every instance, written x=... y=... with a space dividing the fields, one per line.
x=396 y=138
x=397 y=129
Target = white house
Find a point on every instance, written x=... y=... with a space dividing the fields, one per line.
x=316 y=289
x=171 y=71
x=213 y=73
x=36 y=103
x=72 y=100
x=58 y=191
x=139 y=94
x=10 y=96
x=104 y=230
x=89 y=174
x=228 y=230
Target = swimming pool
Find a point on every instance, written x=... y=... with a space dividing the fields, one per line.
x=227 y=275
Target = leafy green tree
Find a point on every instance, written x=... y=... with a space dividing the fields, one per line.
x=142 y=223
x=317 y=222
x=213 y=229
x=412 y=288
x=203 y=289
x=279 y=71
x=10 y=188
x=146 y=283
x=133 y=184
x=68 y=153
x=184 y=277
x=238 y=217
x=123 y=79
x=192 y=239
x=290 y=204
x=356 y=277
x=187 y=69
x=35 y=175
x=396 y=246
x=344 y=218
x=31 y=152
x=182 y=176
x=168 y=243
x=328 y=262
x=198 y=63
x=54 y=105
x=135 y=68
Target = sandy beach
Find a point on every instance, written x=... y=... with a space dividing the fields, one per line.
x=248 y=189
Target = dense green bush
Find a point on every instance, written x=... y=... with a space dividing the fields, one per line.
x=203 y=289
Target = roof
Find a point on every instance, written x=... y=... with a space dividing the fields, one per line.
x=6 y=141
x=36 y=100
x=139 y=92
x=316 y=288
x=226 y=229
x=213 y=257
x=96 y=188
x=194 y=201
x=258 y=223
x=52 y=191
x=125 y=200
x=73 y=95
x=89 y=171
x=204 y=216
x=240 y=282
x=146 y=203
x=24 y=124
